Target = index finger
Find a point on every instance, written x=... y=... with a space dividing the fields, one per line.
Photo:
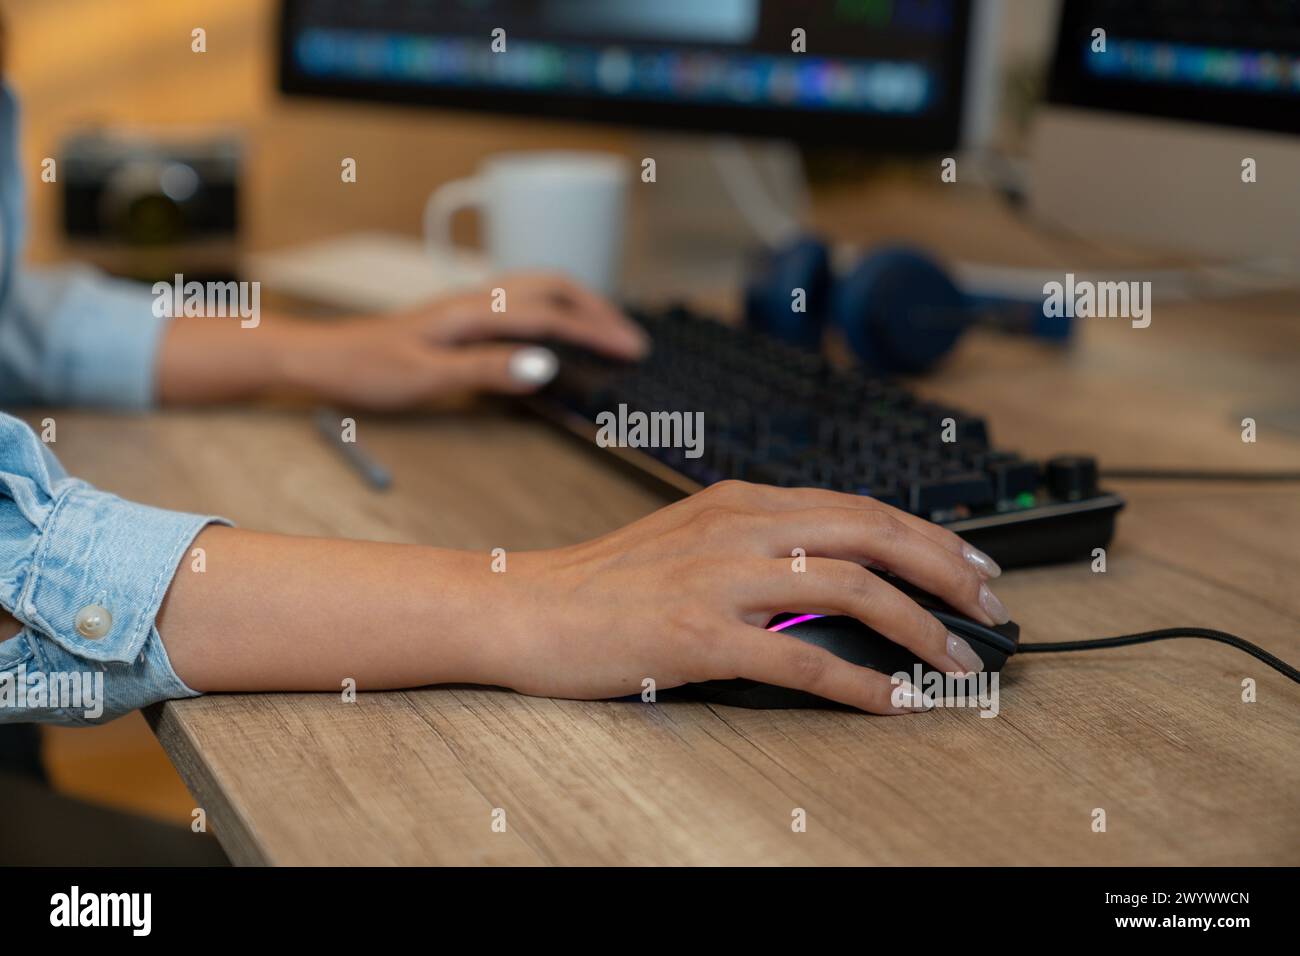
x=590 y=306
x=773 y=498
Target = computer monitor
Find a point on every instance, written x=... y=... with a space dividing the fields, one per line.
x=886 y=74
x=1148 y=136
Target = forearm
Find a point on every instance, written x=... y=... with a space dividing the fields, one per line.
x=274 y=612
x=203 y=361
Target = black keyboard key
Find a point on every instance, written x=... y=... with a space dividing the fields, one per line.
x=1011 y=478
x=972 y=433
x=926 y=496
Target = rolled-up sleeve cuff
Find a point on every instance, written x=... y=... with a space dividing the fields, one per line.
x=106 y=340
x=98 y=551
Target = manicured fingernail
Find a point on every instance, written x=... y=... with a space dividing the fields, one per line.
x=992 y=606
x=961 y=652
x=534 y=365
x=906 y=696
x=983 y=563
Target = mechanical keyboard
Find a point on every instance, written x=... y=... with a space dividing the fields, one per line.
x=785 y=416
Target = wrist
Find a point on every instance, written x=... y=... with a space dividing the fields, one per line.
x=504 y=607
x=296 y=353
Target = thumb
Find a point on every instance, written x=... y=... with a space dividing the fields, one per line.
x=510 y=369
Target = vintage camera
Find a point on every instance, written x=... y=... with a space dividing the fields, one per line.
x=148 y=205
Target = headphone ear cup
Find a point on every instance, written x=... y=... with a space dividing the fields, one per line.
x=898 y=311
x=788 y=292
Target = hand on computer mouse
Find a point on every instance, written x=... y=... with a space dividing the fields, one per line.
x=683 y=596
x=464 y=342
x=454 y=344
x=531 y=305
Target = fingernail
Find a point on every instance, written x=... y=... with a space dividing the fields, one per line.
x=983 y=563
x=533 y=365
x=992 y=606
x=906 y=696
x=961 y=652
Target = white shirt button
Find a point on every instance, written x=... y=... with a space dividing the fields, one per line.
x=94 y=621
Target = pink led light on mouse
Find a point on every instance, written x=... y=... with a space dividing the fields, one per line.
x=793 y=621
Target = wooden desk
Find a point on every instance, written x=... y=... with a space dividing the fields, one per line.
x=1157 y=735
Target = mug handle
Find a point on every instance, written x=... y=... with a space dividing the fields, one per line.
x=442 y=206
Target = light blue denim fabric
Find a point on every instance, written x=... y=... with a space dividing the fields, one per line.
x=65 y=546
x=68 y=336
x=72 y=336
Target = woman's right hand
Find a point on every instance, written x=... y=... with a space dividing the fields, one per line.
x=684 y=595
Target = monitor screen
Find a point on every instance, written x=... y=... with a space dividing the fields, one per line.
x=1236 y=64
x=882 y=73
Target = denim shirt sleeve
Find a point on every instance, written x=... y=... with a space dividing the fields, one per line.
x=65 y=547
x=72 y=336
x=67 y=336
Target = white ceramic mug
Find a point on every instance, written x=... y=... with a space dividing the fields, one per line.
x=552 y=209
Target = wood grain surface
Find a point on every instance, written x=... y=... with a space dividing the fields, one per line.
x=1157 y=736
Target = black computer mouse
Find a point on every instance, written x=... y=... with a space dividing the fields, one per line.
x=850 y=639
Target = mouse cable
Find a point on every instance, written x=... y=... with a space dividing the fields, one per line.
x=1124 y=640
x=1196 y=474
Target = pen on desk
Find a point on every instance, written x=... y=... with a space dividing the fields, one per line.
x=328 y=423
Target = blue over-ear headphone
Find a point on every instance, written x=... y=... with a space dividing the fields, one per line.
x=897 y=309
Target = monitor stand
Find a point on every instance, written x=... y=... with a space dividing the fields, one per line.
x=714 y=202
